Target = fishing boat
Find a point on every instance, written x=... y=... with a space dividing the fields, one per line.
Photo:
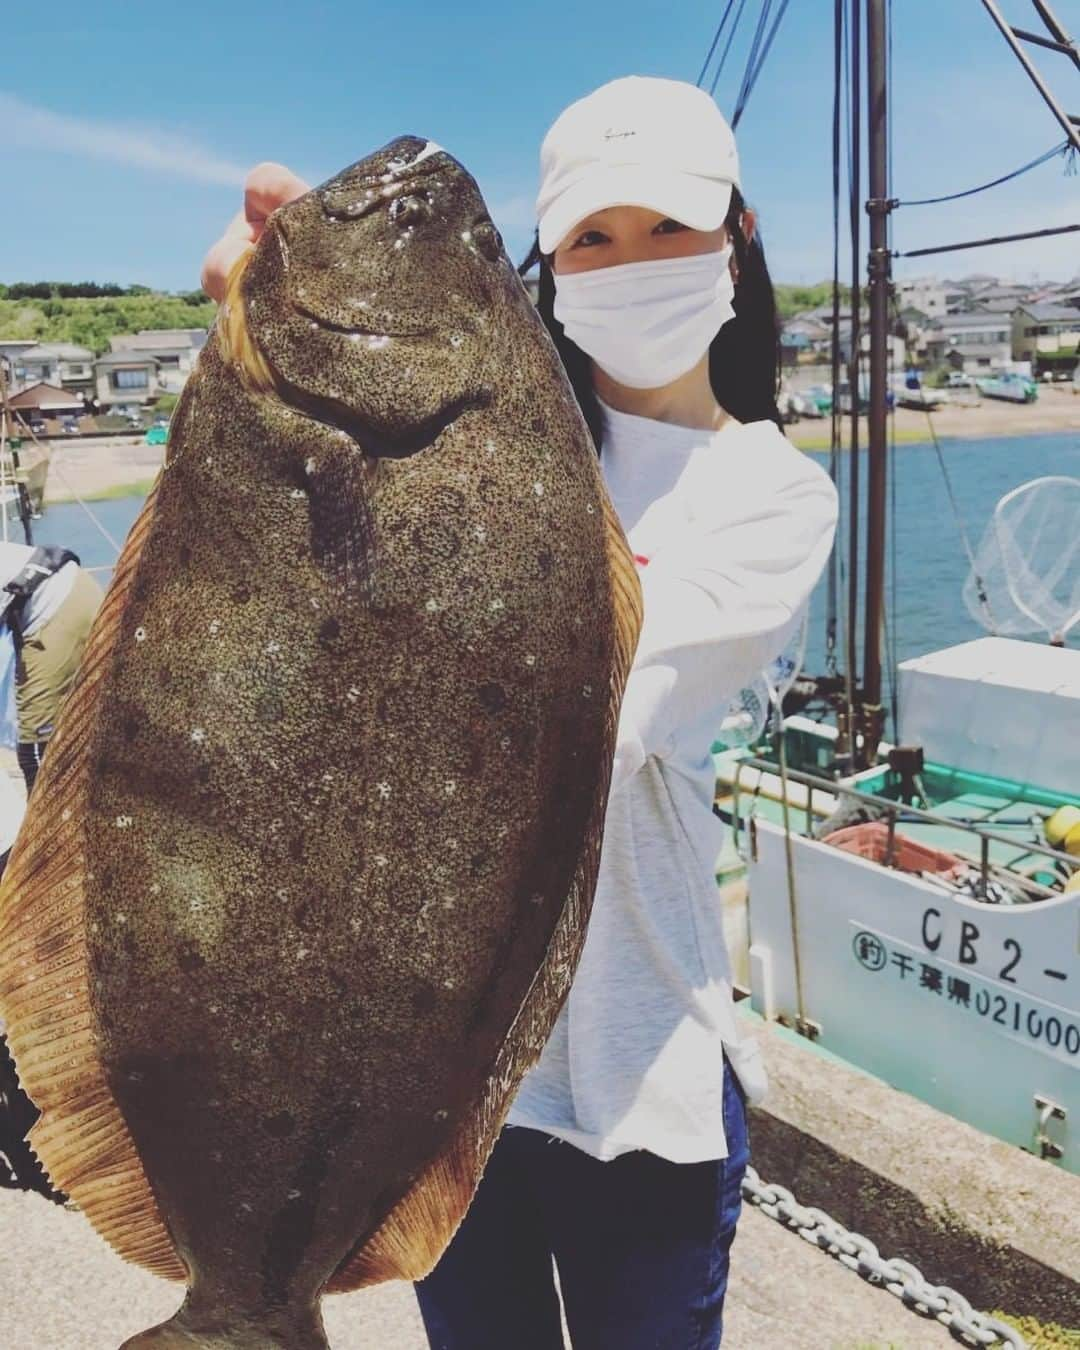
x=910 y=902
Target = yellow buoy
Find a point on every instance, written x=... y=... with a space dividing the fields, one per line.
x=1073 y=884
x=1057 y=826
x=1071 y=842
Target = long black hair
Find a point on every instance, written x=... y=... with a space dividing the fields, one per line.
x=744 y=357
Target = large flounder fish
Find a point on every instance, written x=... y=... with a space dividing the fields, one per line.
x=308 y=867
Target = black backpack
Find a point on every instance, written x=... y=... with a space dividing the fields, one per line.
x=19 y=1167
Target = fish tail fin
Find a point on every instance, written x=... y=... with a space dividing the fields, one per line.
x=277 y=1330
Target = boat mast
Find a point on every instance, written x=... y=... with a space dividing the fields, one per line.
x=10 y=455
x=879 y=281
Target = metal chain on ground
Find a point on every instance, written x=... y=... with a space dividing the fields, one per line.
x=900 y=1277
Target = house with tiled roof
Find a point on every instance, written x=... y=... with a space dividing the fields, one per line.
x=61 y=363
x=126 y=378
x=1048 y=336
x=175 y=350
x=976 y=343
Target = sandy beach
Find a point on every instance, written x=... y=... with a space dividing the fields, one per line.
x=110 y=466
x=117 y=465
x=1056 y=409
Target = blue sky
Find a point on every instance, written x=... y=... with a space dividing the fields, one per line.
x=125 y=128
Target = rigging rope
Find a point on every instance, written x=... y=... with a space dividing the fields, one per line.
x=760 y=45
x=755 y=43
x=750 y=79
x=727 y=48
x=980 y=584
x=54 y=467
x=1063 y=148
x=716 y=38
x=981 y=243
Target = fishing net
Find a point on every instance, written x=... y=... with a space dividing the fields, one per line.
x=1025 y=575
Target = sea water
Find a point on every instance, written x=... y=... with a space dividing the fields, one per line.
x=925 y=607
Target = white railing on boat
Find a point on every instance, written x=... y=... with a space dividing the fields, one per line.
x=894 y=813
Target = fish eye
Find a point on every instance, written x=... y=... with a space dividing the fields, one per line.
x=412 y=209
x=487 y=239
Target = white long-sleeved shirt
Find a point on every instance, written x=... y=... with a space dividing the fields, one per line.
x=731 y=530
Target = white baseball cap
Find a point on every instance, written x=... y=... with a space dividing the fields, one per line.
x=638 y=141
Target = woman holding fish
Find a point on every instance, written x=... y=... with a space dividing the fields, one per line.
x=627 y=1142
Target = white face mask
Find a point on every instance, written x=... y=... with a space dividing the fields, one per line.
x=647 y=323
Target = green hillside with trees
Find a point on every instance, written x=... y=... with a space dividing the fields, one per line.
x=792 y=300
x=89 y=314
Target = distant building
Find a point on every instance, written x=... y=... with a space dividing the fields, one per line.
x=964 y=294
x=11 y=351
x=923 y=293
x=59 y=363
x=1046 y=335
x=806 y=326
x=971 y=342
x=999 y=299
x=174 y=348
x=126 y=377
x=897 y=347
x=804 y=339
x=956 y=298
x=913 y=325
x=46 y=400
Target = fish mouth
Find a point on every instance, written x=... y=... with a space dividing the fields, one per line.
x=375 y=335
x=353 y=330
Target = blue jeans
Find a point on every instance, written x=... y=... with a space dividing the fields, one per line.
x=641 y=1244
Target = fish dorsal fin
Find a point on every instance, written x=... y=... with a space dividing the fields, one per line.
x=80 y=1139
x=412 y=1237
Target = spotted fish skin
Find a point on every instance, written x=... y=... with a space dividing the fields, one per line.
x=346 y=761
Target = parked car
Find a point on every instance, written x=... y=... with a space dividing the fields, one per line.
x=958 y=379
x=69 y=426
x=37 y=426
x=821 y=397
x=1010 y=386
x=795 y=404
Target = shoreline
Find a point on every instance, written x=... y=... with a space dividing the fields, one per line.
x=1056 y=410
x=125 y=466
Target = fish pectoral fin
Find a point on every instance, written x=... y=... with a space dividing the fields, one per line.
x=81 y=1138
x=338 y=481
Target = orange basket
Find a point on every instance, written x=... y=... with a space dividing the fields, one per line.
x=872 y=841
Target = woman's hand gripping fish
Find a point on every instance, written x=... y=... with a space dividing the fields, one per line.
x=308 y=867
